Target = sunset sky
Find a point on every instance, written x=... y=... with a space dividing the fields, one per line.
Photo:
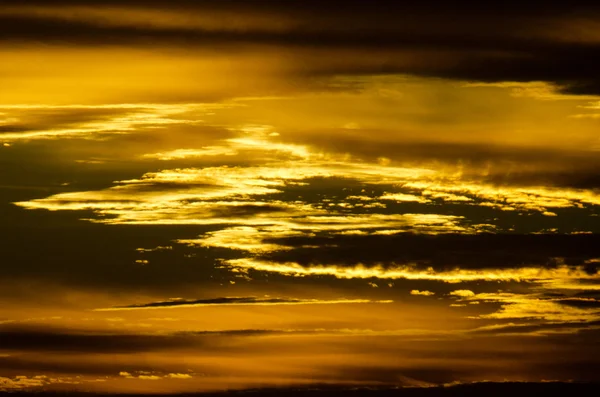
x=228 y=194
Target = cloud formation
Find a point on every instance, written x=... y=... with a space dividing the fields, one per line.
x=174 y=303
x=512 y=44
x=389 y=193
x=423 y=293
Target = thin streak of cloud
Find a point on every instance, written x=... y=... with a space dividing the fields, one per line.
x=532 y=274
x=244 y=301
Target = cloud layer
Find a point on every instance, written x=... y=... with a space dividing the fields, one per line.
x=208 y=195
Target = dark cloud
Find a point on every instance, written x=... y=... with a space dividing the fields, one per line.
x=42 y=339
x=492 y=43
x=31 y=363
x=401 y=362
x=98 y=256
x=251 y=300
x=244 y=332
x=11 y=128
x=69 y=341
x=581 y=303
x=246 y=210
x=443 y=252
x=41 y=118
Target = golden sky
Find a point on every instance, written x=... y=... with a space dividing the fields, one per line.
x=210 y=195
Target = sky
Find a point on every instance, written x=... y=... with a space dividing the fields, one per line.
x=216 y=195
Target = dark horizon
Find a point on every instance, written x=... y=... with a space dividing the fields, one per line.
x=491 y=389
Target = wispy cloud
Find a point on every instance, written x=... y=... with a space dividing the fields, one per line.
x=532 y=274
x=95 y=122
x=24 y=382
x=176 y=303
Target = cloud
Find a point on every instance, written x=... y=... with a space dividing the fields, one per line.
x=403 y=197
x=541 y=311
x=236 y=301
x=544 y=276
x=534 y=306
x=423 y=293
x=479 y=44
x=144 y=375
x=95 y=122
x=462 y=293
x=312 y=152
x=187 y=153
x=23 y=383
x=247 y=358
x=179 y=376
x=33 y=339
x=514 y=198
x=444 y=251
x=231 y=194
x=532 y=328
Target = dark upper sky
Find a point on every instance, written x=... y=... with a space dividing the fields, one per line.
x=209 y=195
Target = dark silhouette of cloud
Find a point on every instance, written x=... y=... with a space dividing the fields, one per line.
x=444 y=251
x=458 y=41
x=49 y=340
x=251 y=300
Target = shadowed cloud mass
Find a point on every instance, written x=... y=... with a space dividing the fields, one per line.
x=235 y=301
